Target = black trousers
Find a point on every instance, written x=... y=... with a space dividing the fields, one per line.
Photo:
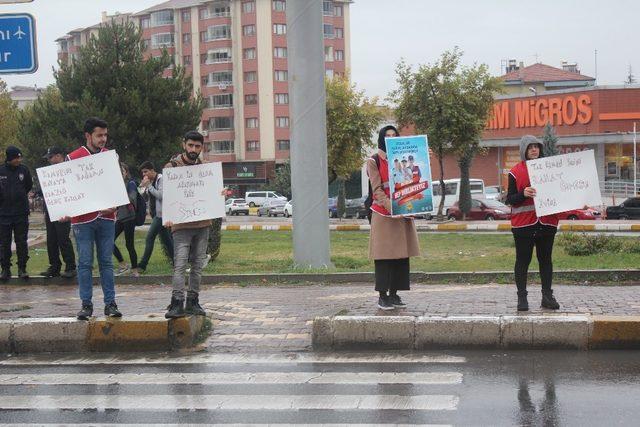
x=59 y=243
x=19 y=228
x=542 y=237
x=129 y=228
x=392 y=274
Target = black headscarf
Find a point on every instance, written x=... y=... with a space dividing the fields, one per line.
x=381 y=143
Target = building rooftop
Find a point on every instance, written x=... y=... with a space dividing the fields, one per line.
x=543 y=73
x=171 y=4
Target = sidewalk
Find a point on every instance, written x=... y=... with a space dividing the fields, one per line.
x=280 y=317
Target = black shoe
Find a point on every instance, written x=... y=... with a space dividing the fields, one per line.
x=50 y=272
x=396 y=301
x=22 y=273
x=523 y=304
x=5 y=275
x=385 y=304
x=111 y=310
x=69 y=274
x=175 y=309
x=86 y=312
x=548 y=301
x=192 y=306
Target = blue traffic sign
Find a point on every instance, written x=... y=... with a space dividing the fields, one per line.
x=18 y=44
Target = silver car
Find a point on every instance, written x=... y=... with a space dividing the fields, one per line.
x=272 y=208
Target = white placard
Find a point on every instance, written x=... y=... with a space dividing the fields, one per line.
x=82 y=186
x=192 y=193
x=564 y=182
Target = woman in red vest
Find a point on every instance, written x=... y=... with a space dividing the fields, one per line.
x=393 y=239
x=530 y=230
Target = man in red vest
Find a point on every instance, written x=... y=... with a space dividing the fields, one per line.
x=95 y=228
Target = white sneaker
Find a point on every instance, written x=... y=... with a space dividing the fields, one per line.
x=122 y=270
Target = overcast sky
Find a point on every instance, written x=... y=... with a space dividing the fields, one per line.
x=383 y=31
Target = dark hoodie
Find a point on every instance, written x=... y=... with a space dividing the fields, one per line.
x=382 y=145
x=15 y=184
x=515 y=197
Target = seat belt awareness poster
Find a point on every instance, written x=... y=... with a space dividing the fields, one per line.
x=409 y=175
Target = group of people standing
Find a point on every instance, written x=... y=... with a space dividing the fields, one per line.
x=394 y=239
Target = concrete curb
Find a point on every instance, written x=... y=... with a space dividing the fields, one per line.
x=571 y=331
x=68 y=335
x=573 y=276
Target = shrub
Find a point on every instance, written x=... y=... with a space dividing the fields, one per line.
x=583 y=244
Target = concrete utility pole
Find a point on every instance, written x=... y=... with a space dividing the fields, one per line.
x=307 y=106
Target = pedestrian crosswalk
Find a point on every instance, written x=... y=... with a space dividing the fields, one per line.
x=346 y=389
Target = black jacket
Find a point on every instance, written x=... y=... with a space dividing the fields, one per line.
x=15 y=184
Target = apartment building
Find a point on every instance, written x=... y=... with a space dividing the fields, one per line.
x=236 y=53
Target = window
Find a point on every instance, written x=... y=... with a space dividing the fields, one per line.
x=248 y=30
x=282 y=98
x=248 y=7
x=252 y=123
x=219 y=78
x=215 y=56
x=251 y=99
x=145 y=23
x=221 y=101
x=249 y=53
x=279 y=52
x=279 y=29
x=186 y=15
x=186 y=38
x=216 y=11
x=253 y=145
x=222 y=147
x=283 y=145
x=146 y=43
x=220 y=123
x=337 y=11
x=328 y=31
x=161 y=40
x=339 y=55
x=282 y=122
x=281 y=75
x=327 y=8
x=217 y=32
x=186 y=60
x=339 y=33
x=329 y=73
x=250 y=77
x=162 y=17
x=328 y=53
x=279 y=5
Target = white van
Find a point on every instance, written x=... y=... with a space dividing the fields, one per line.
x=452 y=192
x=258 y=198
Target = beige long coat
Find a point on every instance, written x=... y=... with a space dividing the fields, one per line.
x=390 y=238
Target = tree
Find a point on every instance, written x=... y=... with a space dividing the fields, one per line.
x=148 y=107
x=9 y=119
x=450 y=104
x=549 y=141
x=351 y=120
x=282 y=180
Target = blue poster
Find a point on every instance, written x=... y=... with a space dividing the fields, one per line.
x=409 y=175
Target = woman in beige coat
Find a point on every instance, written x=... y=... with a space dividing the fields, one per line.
x=393 y=239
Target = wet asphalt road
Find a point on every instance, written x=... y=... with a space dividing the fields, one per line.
x=451 y=388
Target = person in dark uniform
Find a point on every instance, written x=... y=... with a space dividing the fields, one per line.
x=15 y=184
x=58 y=240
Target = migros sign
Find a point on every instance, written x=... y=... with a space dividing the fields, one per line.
x=527 y=113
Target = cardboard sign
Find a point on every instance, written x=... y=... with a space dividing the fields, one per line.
x=81 y=186
x=409 y=175
x=192 y=193
x=565 y=182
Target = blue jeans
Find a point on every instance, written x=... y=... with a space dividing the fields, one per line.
x=100 y=232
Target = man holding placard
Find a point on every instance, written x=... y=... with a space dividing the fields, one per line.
x=190 y=201
x=95 y=229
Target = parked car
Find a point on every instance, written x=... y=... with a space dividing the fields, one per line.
x=236 y=207
x=452 y=192
x=351 y=207
x=629 y=209
x=580 y=214
x=288 y=208
x=272 y=208
x=258 y=198
x=362 y=211
x=492 y=192
x=486 y=209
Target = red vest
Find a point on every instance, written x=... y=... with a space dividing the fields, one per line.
x=524 y=214
x=383 y=169
x=92 y=216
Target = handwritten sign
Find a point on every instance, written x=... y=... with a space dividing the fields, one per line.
x=565 y=182
x=192 y=193
x=84 y=185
